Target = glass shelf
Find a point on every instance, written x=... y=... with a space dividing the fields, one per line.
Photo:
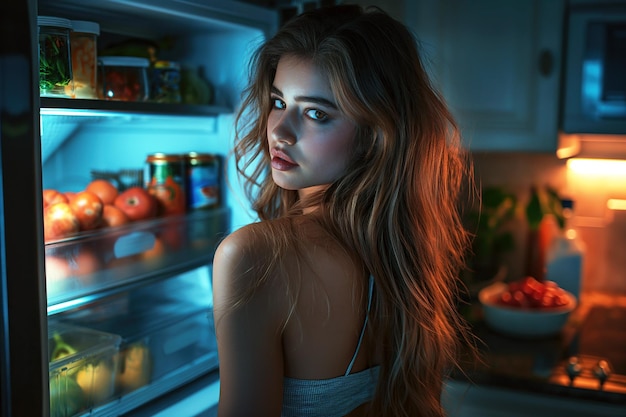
x=92 y=265
x=108 y=108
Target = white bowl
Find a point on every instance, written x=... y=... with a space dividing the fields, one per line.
x=519 y=321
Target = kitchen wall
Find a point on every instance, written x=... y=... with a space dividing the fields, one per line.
x=602 y=229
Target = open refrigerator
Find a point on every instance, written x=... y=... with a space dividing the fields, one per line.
x=131 y=308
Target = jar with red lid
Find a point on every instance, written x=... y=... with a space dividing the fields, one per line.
x=123 y=78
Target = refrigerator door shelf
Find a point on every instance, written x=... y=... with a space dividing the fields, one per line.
x=92 y=265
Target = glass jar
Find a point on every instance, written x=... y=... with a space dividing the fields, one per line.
x=123 y=78
x=83 y=40
x=165 y=82
x=203 y=177
x=165 y=180
x=55 y=64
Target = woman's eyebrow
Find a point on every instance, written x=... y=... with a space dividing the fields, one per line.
x=309 y=99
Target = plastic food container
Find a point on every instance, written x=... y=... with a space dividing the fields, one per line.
x=84 y=40
x=83 y=366
x=167 y=329
x=108 y=257
x=55 y=64
x=165 y=82
x=123 y=78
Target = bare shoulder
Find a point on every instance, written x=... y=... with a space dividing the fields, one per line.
x=246 y=268
x=239 y=249
x=239 y=258
x=249 y=311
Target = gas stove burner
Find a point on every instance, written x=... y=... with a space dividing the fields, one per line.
x=593 y=369
x=602 y=335
x=596 y=357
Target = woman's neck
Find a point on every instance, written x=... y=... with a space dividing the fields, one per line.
x=309 y=195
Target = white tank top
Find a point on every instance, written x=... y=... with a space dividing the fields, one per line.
x=333 y=397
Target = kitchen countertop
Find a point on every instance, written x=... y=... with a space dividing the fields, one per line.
x=538 y=365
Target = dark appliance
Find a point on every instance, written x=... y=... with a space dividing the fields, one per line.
x=594 y=94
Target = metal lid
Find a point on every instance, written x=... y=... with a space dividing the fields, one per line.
x=163 y=157
x=167 y=65
x=85 y=26
x=124 y=61
x=200 y=156
x=58 y=22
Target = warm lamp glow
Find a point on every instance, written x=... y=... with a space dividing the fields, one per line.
x=590 y=166
x=616 y=204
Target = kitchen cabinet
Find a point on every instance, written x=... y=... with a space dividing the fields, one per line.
x=498 y=65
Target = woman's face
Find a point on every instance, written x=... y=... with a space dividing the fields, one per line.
x=310 y=140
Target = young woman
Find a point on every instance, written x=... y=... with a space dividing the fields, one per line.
x=341 y=300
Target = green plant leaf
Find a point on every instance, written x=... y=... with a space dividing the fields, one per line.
x=534 y=210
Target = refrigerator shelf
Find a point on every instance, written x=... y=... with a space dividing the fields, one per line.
x=106 y=108
x=93 y=265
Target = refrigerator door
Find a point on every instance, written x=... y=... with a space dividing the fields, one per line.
x=23 y=350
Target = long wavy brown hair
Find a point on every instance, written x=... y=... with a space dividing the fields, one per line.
x=396 y=208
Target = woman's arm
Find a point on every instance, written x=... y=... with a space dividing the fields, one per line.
x=248 y=335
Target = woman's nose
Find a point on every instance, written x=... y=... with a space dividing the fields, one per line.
x=283 y=129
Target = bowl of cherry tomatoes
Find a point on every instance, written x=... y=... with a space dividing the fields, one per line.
x=526 y=308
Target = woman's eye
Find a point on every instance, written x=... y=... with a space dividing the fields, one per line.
x=317 y=115
x=278 y=103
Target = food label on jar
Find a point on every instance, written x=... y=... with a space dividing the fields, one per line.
x=165 y=181
x=203 y=181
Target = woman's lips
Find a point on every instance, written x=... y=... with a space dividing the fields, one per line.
x=281 y=161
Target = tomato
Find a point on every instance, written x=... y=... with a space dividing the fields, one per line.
x=51 y=196
x=57 y=269
x=157 y=251
x=59 y=221
x=88 y=209
x=70 y=195
x=113 y=216
x=137 y=203
x=530 y=293
x=83 y=261
x=103 y=189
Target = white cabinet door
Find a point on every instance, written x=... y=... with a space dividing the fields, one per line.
x=498 y=65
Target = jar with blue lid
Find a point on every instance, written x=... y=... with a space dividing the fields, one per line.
x=55 y=60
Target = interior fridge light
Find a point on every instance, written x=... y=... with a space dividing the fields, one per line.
x=616 y=204
x=591 y=166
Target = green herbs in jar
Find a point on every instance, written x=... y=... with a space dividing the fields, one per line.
x=55 y=65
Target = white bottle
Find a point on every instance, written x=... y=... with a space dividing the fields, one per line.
x=564 y=260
